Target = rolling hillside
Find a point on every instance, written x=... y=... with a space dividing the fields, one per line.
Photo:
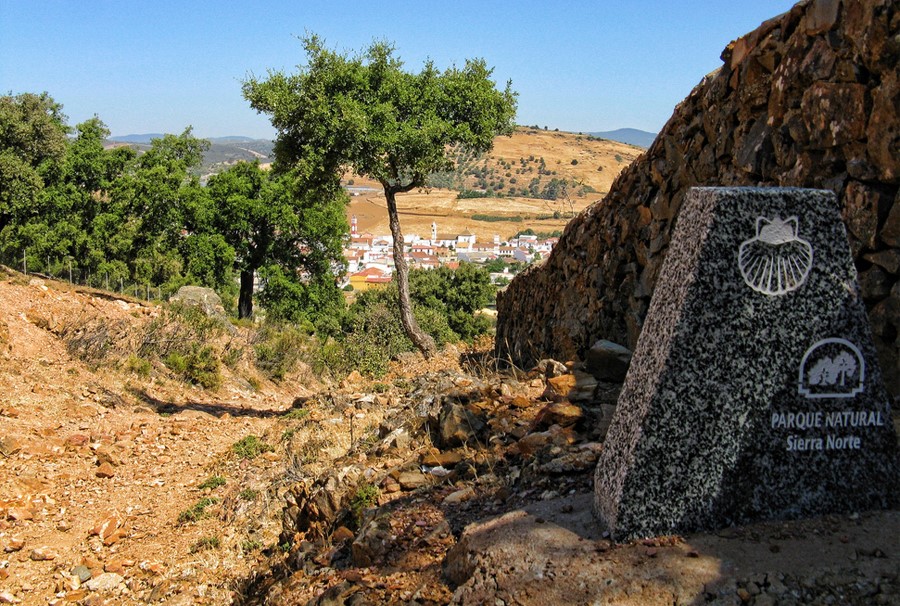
x=222 y=152
x=530 y=159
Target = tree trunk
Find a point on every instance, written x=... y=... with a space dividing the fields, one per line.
x=245 y=299
x=420 y=338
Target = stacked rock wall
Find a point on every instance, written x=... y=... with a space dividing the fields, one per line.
x=809 y=99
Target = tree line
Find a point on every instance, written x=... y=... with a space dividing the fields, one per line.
x=116 y=217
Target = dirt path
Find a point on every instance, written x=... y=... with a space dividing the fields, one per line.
x=97 y=465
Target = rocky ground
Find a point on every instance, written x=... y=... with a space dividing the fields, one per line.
x=445 y=482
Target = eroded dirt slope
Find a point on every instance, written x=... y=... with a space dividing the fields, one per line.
x=97 y=464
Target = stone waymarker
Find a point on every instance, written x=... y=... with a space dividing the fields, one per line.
x=754 y=392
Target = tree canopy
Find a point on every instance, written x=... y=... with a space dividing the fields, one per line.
x=366 y=114
x=32 y=148
x=112 y=216
x=294 y=232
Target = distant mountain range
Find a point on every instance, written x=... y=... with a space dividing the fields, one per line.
x=226 y=151
x=147 y=137
x=631 y=136
x=222 y=153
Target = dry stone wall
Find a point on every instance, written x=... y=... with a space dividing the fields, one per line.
x=809 y=99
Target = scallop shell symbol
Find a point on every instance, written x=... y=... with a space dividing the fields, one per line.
x=776 y=261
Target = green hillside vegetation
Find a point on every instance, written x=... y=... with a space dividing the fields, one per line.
x=144 y=224
x=482 y=176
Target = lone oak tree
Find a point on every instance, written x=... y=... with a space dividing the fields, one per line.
x=367 y=115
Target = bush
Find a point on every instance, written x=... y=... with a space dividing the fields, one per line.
x=200 y=366
x=457 y=295
x=296 y=414
x=176 y=336
x=444 y=302
x=232 y=356
x=197 y=511
x=138 y=366
x=212 y=482
x=279 y=347
x=248 y=494
x=472 y=193
x=205 y=544
x=250 y=545
x=496 y=218
x=366 y=496
x=372 y=335
x=250 y=447
x=287 y=298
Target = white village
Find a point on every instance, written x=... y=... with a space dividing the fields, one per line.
x=370 y=260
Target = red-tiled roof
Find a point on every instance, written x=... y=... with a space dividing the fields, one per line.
x=370 y=272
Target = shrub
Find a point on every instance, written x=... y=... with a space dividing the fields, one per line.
x=200 y=366
x=287 y=298
x=197 y=511
x=232 y=356
x=308 y=451
x=176 y=336
x=496 y=218
x=296 y=413
x=456 y=295
x=205 y=544
x=366 y=496
x=250 y=545
x=279 y=347
x=372 y=335
x=250 y=447
x=212 y=482
x=248 y=494
x=472 y=193
x=138 y=366
x=444 y=302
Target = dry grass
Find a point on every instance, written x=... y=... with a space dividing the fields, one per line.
x=419 y=209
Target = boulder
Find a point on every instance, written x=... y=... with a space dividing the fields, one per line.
x=774 y=410
x=373 y=541
x=558 y=387
x=201 y=297
x=564 y=414
x=457 y=425
x=608 y=361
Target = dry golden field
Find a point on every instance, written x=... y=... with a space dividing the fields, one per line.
x=597 y=166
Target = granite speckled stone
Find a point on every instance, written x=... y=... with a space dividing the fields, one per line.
x=754 y=392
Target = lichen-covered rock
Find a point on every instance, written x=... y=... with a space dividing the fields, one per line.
x=809 y=99
x=204 y=298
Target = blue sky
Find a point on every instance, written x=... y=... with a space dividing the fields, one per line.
x=159 y=65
